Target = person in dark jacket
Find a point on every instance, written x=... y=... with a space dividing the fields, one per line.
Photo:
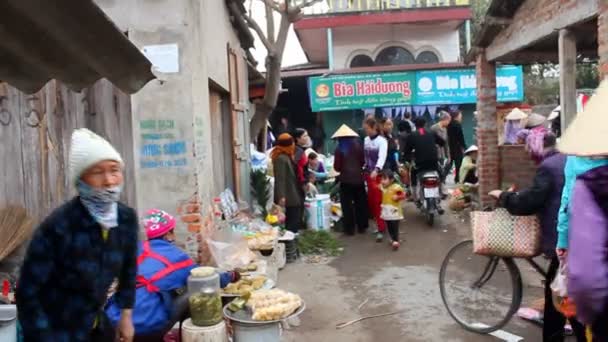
x=543 y=199
x=423 y=145
x=78 y=251
x=456 y=142
x=349 y=161
x=287 y=187
x=392 y=157
x=404 y=129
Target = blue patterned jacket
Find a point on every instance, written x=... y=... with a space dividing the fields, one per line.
x=68 y=269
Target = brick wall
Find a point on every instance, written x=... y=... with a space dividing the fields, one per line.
x=516 y=166
x=602 y=37
x=199 y=227
x=487 y=134
x=535 y=12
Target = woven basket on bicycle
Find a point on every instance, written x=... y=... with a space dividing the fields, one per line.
x=498 y=233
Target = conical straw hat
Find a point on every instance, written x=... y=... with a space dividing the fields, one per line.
x=535 y=120
x=588 y=132
x=344 y=132
x=516 y=114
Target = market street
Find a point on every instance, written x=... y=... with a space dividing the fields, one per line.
x=392 y=281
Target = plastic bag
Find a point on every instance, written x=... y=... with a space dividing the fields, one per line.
x=230 y=250
x=559 y=290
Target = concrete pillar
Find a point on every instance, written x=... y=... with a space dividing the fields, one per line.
x=567 y=76
x=487 y=132
x=602 y=37
x=330 y=49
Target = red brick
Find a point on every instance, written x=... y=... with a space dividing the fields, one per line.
x=193 y=208
x=191 y=218
x=194 y=227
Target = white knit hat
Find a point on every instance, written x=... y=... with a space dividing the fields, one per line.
x=88 y=149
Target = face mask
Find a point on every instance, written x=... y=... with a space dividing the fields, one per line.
x=101 y=203
x=99 y=195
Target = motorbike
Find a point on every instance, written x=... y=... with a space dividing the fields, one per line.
x=429 y=195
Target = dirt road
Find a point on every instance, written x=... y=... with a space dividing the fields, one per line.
x=390 y=281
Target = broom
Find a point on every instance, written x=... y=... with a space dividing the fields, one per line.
x=15 y=228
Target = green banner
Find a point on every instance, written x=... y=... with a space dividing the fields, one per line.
x=357 y=91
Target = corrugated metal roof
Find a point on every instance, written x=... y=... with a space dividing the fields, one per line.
x=72 y=41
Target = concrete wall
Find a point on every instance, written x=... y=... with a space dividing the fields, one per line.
x=348 y=42
x=173 y=114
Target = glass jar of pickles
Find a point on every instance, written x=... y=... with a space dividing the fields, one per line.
x=206 y=307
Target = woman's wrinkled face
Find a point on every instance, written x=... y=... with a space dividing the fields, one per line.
x=103 y=175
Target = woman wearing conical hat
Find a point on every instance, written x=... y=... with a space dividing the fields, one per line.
x=513 y=124
x=349 y=161
x=583 y=220
x=537 y=130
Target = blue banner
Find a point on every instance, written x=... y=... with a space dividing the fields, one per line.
x=459 y=86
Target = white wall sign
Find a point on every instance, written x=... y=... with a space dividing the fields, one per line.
x=164 y=58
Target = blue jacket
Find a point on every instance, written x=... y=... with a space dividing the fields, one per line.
x=68 y=269
x=152 y=311
x=542 y=198
x=575 y=166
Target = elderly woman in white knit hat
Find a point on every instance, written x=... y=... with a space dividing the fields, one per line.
x=78 y=251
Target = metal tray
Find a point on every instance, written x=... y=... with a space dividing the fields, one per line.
x=269 y=284
x=244 y=316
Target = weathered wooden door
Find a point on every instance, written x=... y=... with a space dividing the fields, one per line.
x=240 y=123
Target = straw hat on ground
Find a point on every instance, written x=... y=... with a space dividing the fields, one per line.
x=535 y=120
x=586 y=135
x=516 y=114
x=344 y=132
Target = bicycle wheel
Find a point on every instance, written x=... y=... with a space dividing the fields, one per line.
x=480 y=293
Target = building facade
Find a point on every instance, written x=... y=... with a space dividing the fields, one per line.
x=418 y=43
x=191 y=126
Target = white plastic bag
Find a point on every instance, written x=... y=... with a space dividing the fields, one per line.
x=230 y=250
x=559 y=285
x=559 y=291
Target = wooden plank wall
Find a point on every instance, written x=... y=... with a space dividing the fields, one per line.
x=35 y=135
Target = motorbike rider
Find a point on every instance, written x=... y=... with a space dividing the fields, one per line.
x=422 y=143
x=441 y=129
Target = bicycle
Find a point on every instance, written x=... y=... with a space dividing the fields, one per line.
x=491 y=267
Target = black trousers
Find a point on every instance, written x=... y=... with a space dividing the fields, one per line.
x=293 y=218
x=554 y=321
x=180 y=311
x=353 y=199
x=393 y=230
x=457 y=159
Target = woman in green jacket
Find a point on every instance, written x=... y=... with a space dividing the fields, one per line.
x=287 y=191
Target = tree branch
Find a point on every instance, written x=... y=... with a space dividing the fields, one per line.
x=304 y=4
x=272 y=4
x=251 y=23
x=269 y=23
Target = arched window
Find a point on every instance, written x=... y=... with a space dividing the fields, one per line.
x=427 y=57
x=394 y=55
x=361 y=61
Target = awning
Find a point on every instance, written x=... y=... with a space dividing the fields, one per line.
x=72 y=41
